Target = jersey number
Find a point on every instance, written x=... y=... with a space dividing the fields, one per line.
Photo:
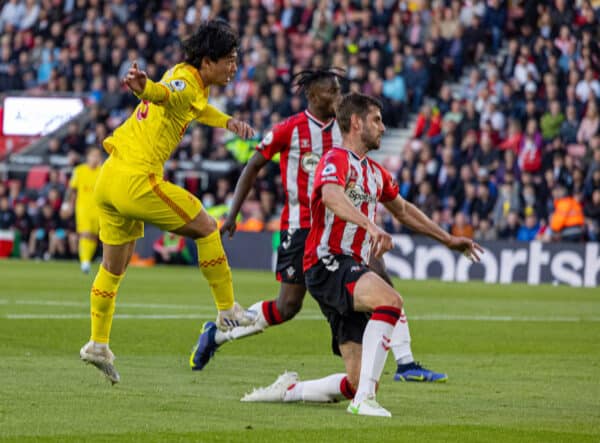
x=142 y=112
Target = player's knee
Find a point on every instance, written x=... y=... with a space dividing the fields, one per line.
x=202 y=226
x=393 y=299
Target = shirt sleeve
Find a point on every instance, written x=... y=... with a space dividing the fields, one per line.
x=274 y=141
x=170 y=92
x=390 y=187
x=332 y=169
x=211 y=116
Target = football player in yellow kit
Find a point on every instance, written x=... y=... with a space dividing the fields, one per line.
x=81 y=197
x=130 y=189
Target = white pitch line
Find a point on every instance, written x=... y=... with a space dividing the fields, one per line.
x=432 y=317
x=120 y=305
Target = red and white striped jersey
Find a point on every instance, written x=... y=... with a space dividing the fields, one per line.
x=365 y=183
x=302 y=140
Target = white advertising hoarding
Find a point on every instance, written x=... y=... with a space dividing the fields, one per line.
x=38 y=115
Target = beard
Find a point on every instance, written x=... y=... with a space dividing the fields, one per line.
x=370 y=142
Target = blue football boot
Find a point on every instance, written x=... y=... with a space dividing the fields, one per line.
x=205 y=348
x=415 y=372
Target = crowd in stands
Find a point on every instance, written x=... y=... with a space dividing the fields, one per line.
x=506 y=143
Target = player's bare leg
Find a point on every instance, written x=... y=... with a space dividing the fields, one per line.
x=407 y=368
x=268 y=313
x=115 y=259
x=215 y=268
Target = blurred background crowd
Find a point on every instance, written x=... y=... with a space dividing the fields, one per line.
x=500 y=100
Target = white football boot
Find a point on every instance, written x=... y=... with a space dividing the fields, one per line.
x=236 y=316
x=274 y=392
x=368 y=406
x=102 y=358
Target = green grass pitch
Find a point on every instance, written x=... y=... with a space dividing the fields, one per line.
x=523 y=362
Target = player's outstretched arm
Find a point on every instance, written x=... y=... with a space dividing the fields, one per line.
x=411 y=216
x=335 y=199
x=242 y=188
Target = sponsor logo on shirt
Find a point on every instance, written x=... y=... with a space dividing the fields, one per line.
x=358 y=196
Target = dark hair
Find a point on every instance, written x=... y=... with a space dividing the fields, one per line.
x=355 y=104
x=214 y=39
x=305 y=79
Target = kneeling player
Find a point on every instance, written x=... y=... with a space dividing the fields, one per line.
x=343 y=235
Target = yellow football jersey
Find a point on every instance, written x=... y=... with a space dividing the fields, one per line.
x=147 y=138
x=83 y=181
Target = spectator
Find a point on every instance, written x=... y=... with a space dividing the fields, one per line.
x=530 y=153
x=485 y=231
x=592 y=214
x=170 y=248
x=22 y=226
x=395 y=91
x=428 y=123
x=7 y=215
x=418 y=79
x=570 y=126
x=567 y=221
x=461 y=226
x=529 y=231
x=509 y=227
x=551 y=121
x=588 y=88
x=589 y=124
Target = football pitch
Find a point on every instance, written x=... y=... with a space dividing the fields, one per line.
x=523 y=364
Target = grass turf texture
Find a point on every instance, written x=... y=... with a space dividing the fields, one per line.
x=522 y=361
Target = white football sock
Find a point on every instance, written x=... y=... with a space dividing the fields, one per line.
x=401 y=341
x=375 y=347
x=323 y=390
x=244 y=331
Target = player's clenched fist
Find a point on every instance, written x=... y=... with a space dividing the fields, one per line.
x=243 y=129
x=381 y=241
x=135 y=79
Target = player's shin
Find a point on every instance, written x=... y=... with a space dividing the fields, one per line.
x=324 y=390
x=375 y=347
x=215 y=268
x=401 y=341
x=102 y=298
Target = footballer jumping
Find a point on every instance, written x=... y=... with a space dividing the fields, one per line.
x=130 y=189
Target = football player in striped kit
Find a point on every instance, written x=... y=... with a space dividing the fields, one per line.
x=361 y=308
x=301 y=140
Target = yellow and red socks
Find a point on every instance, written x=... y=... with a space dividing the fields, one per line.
x=87 y=249
x=334 y=387
x=401 y=341
x=375 y=346
x=215 y=268
x=102 y=299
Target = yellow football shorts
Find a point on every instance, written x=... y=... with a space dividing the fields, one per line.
x=86 y=220
x=127 y=198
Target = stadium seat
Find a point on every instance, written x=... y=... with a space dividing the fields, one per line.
x=37 y=177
